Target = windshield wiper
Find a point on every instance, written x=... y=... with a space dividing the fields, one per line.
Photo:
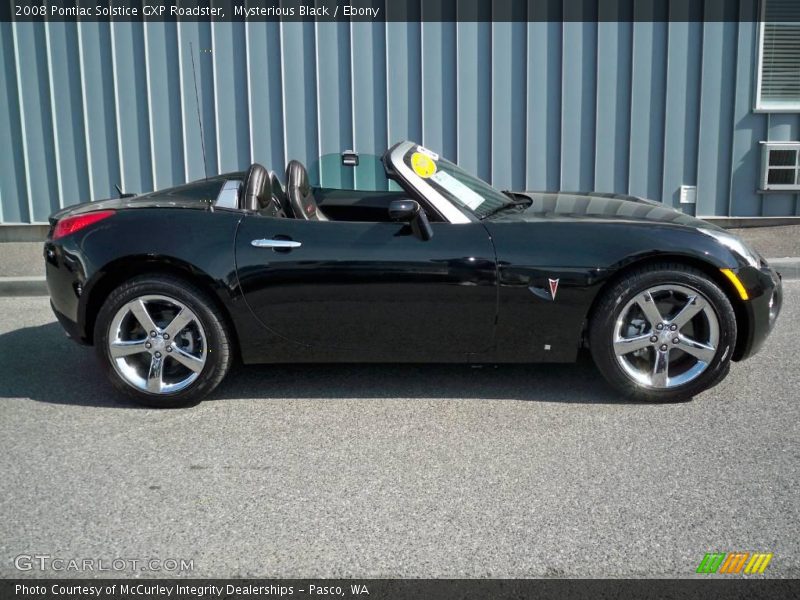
x=513 y=203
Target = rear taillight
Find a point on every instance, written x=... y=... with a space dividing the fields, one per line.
x=70 y=225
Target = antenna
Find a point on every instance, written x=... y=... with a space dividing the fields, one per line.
x=199 y=118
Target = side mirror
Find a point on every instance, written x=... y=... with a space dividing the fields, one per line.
x=409 y=211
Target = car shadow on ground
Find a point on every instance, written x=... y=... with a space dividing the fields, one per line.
x=42 y=364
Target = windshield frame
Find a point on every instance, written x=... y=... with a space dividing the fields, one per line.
x=450 y=211
x=445 y=201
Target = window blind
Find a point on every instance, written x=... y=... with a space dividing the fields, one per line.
x=780 y=55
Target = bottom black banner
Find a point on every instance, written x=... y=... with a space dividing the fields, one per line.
x=439 y=589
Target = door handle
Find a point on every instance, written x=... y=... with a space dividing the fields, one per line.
x=284 y=244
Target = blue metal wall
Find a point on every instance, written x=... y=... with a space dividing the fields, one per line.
x=638 y=107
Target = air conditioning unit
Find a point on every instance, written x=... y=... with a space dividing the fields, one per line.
x=780 y=166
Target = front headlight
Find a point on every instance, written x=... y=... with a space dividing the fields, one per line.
x=735 y=245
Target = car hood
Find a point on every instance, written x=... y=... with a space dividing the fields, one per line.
x=595 y=206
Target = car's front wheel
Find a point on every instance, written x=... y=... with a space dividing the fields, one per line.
x=162 y=341
x=663 y=333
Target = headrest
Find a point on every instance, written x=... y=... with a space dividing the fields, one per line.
x=297 y=177
x=256 y=188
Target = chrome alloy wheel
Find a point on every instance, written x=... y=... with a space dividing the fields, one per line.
x=666 y=336
x=157 y=344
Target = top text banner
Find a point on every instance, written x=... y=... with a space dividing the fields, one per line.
x=380 y=10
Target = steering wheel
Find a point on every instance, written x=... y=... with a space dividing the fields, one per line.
x=280 y=201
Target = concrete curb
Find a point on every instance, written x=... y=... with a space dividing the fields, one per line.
x=23 y=286
x=23 y=233
x=37 y=232
x=789 y=268
x=747 y=222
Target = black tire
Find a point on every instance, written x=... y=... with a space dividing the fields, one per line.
x=611 y=304
x=219 y=354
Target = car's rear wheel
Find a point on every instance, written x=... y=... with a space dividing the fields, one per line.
x=663 y=333
x=162 y=341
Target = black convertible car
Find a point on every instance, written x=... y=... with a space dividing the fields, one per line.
x=170 y=287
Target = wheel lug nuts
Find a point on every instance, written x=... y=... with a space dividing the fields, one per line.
x=676 y=341
x=659 y=326
x=158 y=354
x=654 y=339
x=663 y=347
x=152 y=334
x=165 y=336
x=169 y=348
x=148 y=345
x=673 y=327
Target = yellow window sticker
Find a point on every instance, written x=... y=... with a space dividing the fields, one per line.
x=423 y=165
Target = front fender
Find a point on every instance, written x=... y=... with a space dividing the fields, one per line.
x=578 y=257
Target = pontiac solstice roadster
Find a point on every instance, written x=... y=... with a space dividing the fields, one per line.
x=436 y=266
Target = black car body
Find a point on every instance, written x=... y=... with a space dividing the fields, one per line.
x=364 y=288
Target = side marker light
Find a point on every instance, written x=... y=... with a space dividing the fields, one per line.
x=736 y=283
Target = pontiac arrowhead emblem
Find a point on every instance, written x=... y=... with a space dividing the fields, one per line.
x=553 y=287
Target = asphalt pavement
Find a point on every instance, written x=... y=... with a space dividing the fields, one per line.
x=395 y=471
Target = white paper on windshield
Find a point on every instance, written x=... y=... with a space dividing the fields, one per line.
x=472 y=199
x=427 y=152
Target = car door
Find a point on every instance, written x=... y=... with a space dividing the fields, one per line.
x=370 y=291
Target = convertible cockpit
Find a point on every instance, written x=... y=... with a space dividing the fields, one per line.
x=261 y=190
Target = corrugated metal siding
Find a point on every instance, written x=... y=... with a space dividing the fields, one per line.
x=639 y=107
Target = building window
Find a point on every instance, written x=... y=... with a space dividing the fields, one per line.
x=778 y=85
x=780 y=166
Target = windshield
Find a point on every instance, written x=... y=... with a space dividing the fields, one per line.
x=368 y=175
x=461 y=188
x=458 y=196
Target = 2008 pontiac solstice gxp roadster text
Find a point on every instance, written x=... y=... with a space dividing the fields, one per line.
x=170 y=287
